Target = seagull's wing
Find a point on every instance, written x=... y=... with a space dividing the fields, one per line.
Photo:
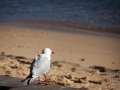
x=31 y=76
x=40 y=65
x=35 y=60
x=34 y=63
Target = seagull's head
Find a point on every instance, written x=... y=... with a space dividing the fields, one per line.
x=47 y=51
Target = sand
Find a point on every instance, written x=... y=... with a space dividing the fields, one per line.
x=80 y=61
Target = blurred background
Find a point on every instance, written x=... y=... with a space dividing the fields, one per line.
x=95 y=15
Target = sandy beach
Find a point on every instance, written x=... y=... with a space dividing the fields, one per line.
x=80 y=60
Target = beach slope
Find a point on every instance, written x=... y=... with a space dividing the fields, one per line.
x=80 y=61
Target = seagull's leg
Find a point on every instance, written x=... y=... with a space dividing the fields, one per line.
x=39 y=80
x=46 y=80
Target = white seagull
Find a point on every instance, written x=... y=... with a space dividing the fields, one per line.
x=39 y=66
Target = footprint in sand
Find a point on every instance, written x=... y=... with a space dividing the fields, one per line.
x=100 y=68
x=2 y=53
x=73 y=69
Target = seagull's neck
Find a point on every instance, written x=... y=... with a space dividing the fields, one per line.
x=47 y=54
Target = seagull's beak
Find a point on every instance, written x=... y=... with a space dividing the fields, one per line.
x=52 y=52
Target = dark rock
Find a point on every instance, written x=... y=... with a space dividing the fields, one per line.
x=11 y=83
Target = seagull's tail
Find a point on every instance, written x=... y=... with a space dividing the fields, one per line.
x=29 y=79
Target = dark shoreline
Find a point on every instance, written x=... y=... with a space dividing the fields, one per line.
x=54 y=24
x=64 y=27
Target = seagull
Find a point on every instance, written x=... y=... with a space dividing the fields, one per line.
x=40 y=66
